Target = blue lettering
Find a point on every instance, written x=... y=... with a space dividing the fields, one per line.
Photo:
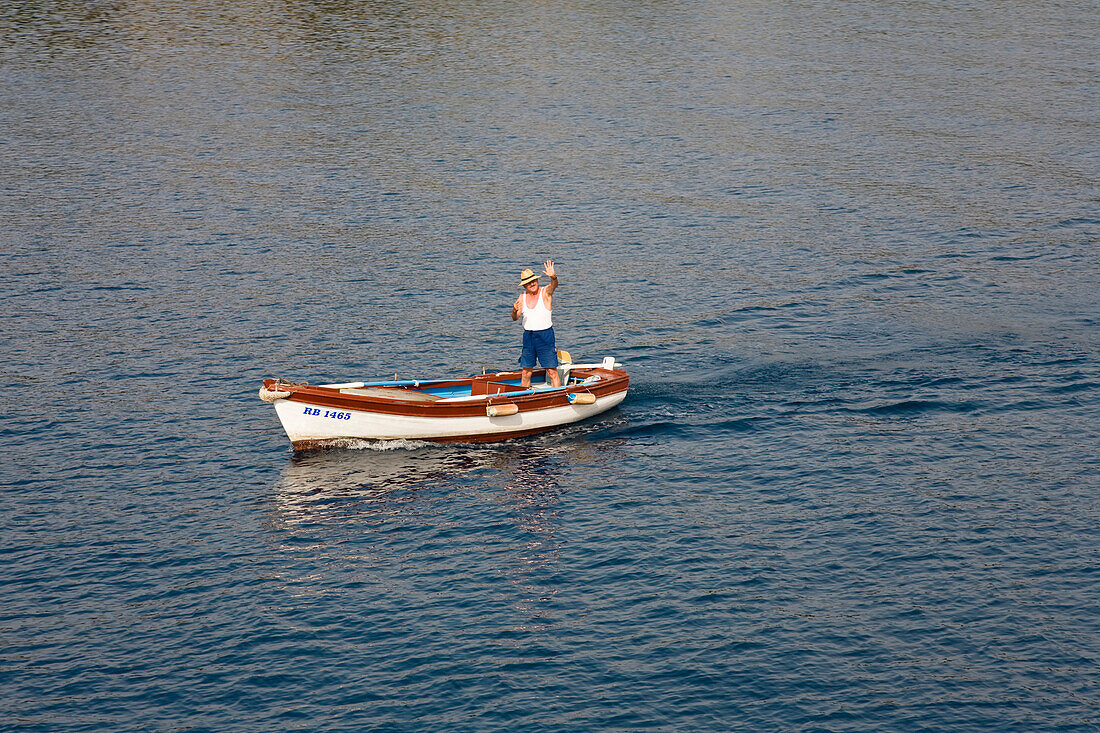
x=334 y=414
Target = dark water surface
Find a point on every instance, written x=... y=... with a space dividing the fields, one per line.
x=848 y=252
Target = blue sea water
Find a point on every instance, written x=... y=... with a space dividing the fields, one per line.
x=847 y=251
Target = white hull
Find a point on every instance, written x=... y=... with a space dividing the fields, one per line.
x=302 y=425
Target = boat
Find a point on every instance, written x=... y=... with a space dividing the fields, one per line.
x=477 y=409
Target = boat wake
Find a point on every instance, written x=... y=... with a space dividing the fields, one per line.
x=374 y=445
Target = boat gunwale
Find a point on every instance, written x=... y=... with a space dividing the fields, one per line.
x=611 y=382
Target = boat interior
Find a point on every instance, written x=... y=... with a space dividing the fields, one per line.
x=475 y=388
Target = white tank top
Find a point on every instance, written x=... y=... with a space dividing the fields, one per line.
x=537 y=318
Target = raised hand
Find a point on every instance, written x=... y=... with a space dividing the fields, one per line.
x=548 y=269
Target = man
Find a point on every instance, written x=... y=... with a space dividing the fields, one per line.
x=538 y=327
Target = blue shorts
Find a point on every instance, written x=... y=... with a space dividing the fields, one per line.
x=540 y=344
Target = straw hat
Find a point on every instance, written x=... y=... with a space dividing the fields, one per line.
x=527 y=276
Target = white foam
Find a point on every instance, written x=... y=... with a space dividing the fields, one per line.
x=381 y=445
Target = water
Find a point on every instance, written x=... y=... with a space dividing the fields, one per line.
x=847 y=252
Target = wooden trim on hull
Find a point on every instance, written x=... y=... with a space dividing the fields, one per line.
x=611 y=382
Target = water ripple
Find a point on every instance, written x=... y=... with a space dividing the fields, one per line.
x=847 y=257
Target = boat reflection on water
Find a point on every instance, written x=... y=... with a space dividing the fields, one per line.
x=337 y=485
x=322 y=483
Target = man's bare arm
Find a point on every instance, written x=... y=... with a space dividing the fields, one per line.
x=548 y=269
